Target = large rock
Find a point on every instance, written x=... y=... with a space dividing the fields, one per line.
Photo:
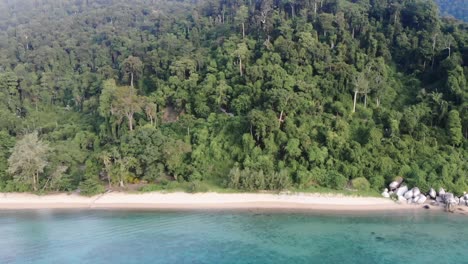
x=449 y=198
x=457 y=200
x=408 y=194
x=463 y=200
x=439 y=199
x=432 y=193
x=416 y=192
x=393 y=185
x=422 y=199
x=441 y=192
x=402 y=190
x=415 y=199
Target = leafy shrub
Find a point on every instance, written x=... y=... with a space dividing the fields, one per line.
x=361 y=184
x=196 y=187
x=152 y=188
x=91 y=187
x=335 y=180
x=252 y=180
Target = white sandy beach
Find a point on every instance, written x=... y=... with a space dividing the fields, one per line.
x=179 y=200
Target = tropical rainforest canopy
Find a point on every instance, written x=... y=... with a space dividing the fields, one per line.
x=248 y=95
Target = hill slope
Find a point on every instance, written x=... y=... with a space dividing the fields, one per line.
x=241 y=94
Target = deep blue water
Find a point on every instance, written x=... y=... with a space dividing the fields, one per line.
x=231 y=237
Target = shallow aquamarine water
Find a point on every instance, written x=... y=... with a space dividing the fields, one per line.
x=231 y=237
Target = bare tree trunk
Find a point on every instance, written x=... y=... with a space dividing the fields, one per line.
x=378 y=101
x=130 y=121
x=35 y=180
x=293 y=11
x=280 y=118
x=240 y=66
x=315 y=7
x=365 y=100
x=354 y=103
x=243 y=30
x=131 y=79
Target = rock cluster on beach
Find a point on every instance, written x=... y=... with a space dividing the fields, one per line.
x=400 y=192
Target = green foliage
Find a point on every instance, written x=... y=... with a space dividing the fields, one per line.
x=360 y=184
x=455 y=128
x=28 y=160
x=90 y=187
x=250 y=95
x=196 y=187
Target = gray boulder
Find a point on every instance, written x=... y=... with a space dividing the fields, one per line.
x=415 y=199
x=422 y=199
x=449 y=198
x=432 y=193
x=393 y=185
x=439 y=199
x=408 y=194
x=402 y=190
x=416 y=192
x=441 y=191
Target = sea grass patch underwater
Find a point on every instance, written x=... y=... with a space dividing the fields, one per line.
x=242 y=236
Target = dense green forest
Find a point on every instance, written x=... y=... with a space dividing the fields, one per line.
x=455 y=8
x=248 y=95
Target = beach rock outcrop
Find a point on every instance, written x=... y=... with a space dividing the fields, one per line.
x=414 y=196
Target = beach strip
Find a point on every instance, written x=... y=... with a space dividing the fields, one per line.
x=180 y=200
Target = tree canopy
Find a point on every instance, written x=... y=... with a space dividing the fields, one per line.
x=266 y=94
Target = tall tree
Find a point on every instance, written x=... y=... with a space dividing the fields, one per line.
x=132 y=67
x=361 y=84
x=28 y=159
x=241 y=17
x=126 y=103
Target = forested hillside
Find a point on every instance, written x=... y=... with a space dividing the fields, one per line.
x=250 y=95
x=455 y=8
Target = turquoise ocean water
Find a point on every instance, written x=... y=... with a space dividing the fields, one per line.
x=231 y=237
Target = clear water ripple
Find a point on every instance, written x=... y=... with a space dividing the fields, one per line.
x=92 y=236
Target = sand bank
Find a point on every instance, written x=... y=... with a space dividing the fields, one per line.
x=179 y=200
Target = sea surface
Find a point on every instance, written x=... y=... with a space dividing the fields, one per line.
x=255 y=236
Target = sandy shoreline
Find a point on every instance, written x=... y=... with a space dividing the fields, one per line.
x=179 y=200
